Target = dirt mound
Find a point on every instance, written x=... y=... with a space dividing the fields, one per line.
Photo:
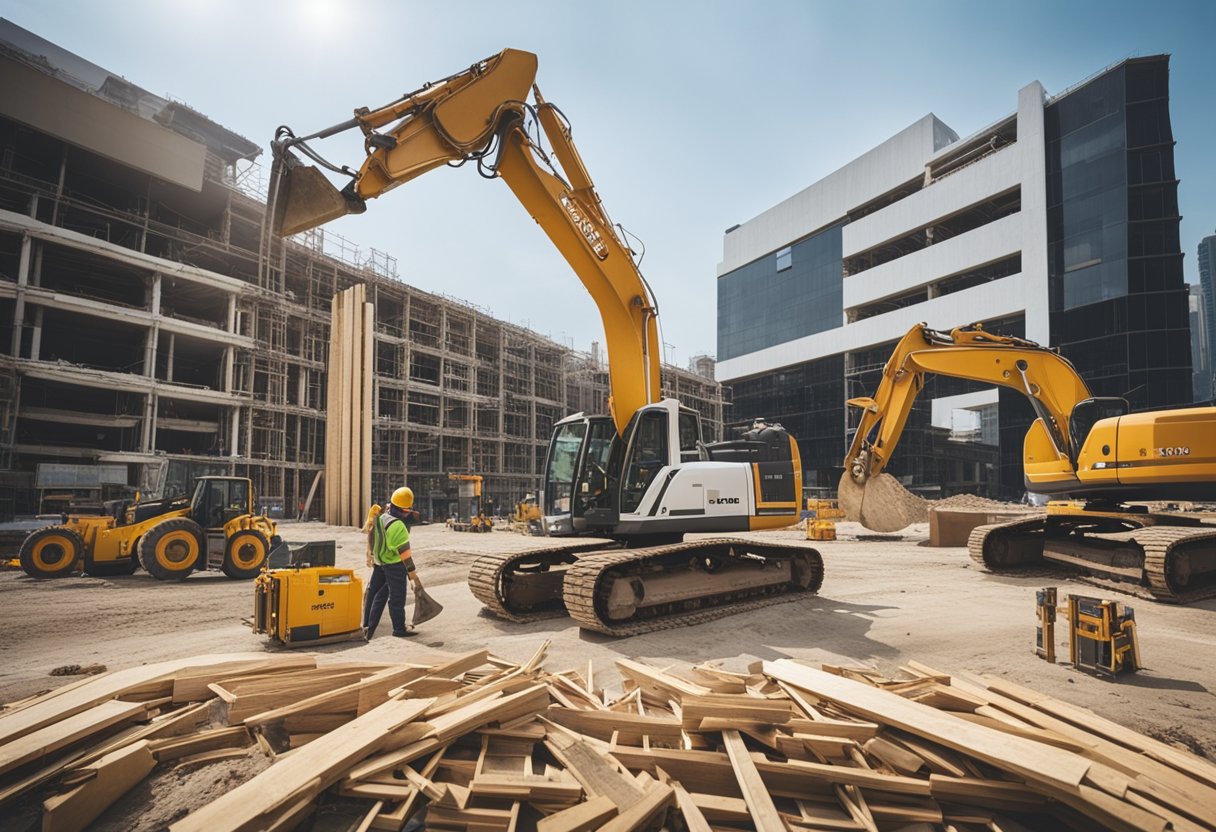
x=882 y=504
x=969 y=501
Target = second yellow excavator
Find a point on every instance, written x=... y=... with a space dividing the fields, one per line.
x=641 y=474
x=1087 y=449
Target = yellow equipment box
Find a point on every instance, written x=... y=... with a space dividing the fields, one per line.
x=1102 y=636
x=308 y=606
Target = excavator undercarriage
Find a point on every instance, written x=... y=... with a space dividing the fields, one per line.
x=1161 y=556
x=625 y=592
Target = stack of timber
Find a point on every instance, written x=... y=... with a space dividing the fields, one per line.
x=348 y=433
x=474 y=742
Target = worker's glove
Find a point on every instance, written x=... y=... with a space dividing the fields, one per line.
x=414 y=579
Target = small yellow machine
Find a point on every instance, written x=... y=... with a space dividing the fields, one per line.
x=309 y=605
x=170 y=538
x=1102 y=636
x=1045 y=632
x=821 y=524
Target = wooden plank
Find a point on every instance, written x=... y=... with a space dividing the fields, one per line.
x=601 y=724
x=53 y=737
x=99 y=689
x=590 y=768
x=1027 y=758
x=899 y=759
x=346 y=697
x=173 y=748
x=192 y=685
x=457 y=723
x=585 y=817
x=647 y=677
x=759 y=801
x=1190 y=764
x=113 y=775
x=643 y=811
x=307 y=771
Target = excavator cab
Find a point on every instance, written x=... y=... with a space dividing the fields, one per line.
x=1086 y=414
x=578 y=483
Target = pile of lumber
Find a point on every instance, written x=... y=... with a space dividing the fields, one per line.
x=478 y=743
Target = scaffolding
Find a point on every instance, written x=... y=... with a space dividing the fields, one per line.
x=202 y=344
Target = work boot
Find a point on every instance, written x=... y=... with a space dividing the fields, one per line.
x=409 y=632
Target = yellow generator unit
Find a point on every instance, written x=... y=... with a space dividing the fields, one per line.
x=821 y=519
x=1102 y=636
x=308 y=606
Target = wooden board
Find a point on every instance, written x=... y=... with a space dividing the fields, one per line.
x=759 y=801
x=53 y=737
x=112 y=776
x=305 y=771
x=1027 y=758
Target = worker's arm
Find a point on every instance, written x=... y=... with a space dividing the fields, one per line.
x=407 y=560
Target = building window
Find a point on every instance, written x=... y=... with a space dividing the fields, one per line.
x=785 y=258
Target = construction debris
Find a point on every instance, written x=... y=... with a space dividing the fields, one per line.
x=479 y=743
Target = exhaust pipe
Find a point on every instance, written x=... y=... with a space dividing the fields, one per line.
x=301 y=197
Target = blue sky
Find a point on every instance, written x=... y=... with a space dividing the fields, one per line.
x=690 y=116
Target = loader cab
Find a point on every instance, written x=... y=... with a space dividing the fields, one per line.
x=217 y=500
x=592 y=476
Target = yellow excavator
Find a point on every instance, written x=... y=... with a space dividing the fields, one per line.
x=1089 y=453
x=641 y=474
x=170 y=538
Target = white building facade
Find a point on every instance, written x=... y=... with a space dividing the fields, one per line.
x=1047 y=224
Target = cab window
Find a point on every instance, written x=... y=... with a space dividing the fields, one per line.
x=647 y=455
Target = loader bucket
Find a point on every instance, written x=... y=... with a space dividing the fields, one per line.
x=303 y=198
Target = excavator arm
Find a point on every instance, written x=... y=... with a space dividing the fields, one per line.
x=482 y=114
x=1050 y=383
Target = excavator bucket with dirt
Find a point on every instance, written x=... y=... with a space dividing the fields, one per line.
x=880 y=504
x=302 y=198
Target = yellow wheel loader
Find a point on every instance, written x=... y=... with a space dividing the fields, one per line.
x=170 y=538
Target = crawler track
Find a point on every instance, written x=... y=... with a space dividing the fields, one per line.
x=493 y=580
x=1163 y=553
x=588 y=582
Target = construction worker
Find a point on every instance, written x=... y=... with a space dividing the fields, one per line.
x=392 y=564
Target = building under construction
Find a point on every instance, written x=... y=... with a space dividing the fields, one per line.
x=146 y=340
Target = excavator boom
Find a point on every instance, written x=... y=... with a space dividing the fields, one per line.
x=482 y=115
x=1078 y=446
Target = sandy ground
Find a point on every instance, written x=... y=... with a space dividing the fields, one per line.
x=883 y=602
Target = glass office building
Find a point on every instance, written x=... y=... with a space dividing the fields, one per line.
x=1058 y=223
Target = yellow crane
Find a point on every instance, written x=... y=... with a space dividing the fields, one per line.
x=641 y=474
x=1090 y=453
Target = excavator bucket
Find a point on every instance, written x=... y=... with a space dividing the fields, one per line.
x=302 y=198
x=880 y=504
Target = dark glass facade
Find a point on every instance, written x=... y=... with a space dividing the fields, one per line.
x=785 y=295
x=1119 y=304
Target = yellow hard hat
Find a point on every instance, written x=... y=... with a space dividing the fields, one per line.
x=403 y=497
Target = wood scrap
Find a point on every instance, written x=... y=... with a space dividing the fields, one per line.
x=495 y=745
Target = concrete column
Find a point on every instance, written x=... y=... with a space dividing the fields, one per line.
x=154 y=306
x=169 y=363
x=232 y=313
x=235 y=432
x=229 y=368
x=36 y=343
x=1032 y=146
x=148 y=438
x=23 y=280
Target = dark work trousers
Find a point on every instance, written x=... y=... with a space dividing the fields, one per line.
x=387 y=586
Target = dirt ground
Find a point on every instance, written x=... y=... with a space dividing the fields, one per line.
x=883 y=602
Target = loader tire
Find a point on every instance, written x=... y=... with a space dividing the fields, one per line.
x=171 y=549
x=245 y=554
x=51 y=552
